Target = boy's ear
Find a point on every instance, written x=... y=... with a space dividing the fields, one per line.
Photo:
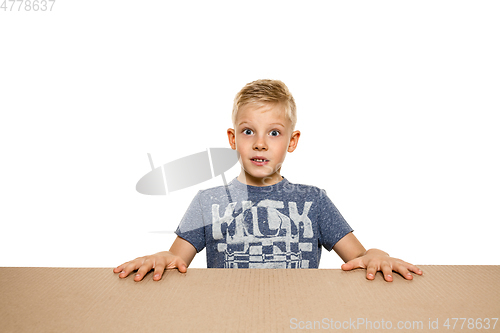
x=294 y=140
x=231 y=137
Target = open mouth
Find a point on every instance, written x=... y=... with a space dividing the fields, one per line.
x=259 y=160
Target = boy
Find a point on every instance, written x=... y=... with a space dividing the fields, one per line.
x=260 y=219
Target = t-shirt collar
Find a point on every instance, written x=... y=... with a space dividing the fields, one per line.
x=255 y=189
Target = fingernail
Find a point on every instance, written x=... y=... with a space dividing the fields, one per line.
x=138 y=275
x=389 y=276
x=157 y=275
x=370 y=275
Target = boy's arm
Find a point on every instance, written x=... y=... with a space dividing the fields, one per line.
x=179 y=256
x=354 y=255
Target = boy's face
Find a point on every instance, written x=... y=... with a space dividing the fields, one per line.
x=262 y=132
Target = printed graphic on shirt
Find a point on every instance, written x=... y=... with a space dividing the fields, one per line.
x=260 y=236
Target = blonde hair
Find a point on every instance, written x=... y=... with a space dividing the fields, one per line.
x=262 y=92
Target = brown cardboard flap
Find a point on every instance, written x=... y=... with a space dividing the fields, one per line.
x=249 y=300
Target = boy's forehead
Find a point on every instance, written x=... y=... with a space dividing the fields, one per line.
x=271 y=114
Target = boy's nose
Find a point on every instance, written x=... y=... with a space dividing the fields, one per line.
x=260 y=145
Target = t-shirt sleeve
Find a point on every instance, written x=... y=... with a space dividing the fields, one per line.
x=192 y=227
x=332 y=225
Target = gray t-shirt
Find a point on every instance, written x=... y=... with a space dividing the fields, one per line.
x=278 y=226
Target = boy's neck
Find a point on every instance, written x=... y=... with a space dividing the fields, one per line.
x=254 y=181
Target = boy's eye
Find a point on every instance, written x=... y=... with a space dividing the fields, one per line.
x=247 y=131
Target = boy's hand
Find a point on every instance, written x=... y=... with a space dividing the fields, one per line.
x=159 y=262
x=376 y=260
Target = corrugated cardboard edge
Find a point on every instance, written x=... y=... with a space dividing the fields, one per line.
x=246 y=300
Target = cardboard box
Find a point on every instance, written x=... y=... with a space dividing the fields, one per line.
x=249 y=300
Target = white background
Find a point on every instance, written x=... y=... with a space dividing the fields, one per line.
x=397 y=101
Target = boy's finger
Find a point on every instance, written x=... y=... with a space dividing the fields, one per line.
x=119 y=268
x=127 y=268
x=414 y=269
x=351 y=264
x=387 y=271
x=181 y=265
x=401 y=269
x=371 y=270
x=143 y=270
x=159 y=269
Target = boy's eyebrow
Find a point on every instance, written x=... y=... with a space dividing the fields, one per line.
x=245 y=122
